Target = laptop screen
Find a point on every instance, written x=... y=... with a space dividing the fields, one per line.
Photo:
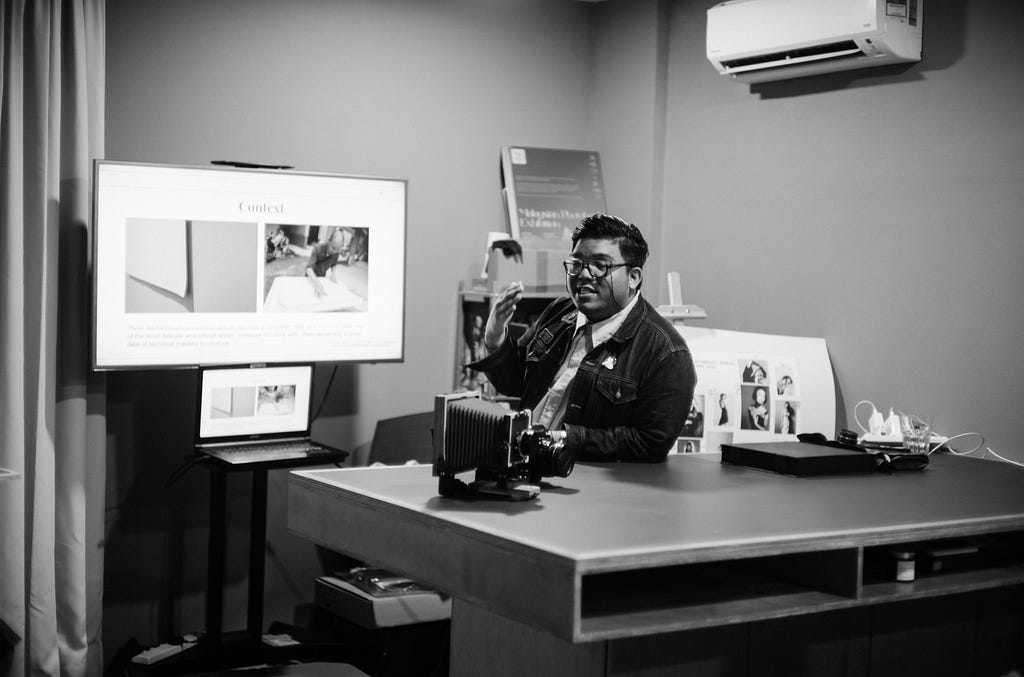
x=253 y=403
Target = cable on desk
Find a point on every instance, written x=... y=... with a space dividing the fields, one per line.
x=988 y=450
x=1001 y=458
x=960 y=453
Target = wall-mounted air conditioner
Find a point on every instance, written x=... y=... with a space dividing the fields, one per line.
x=762 y=40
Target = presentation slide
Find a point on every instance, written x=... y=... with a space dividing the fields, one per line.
x=212 y=265
x=245 y=402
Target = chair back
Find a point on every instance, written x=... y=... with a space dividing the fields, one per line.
x=403 y=438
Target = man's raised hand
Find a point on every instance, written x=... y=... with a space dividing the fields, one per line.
x=502 y=308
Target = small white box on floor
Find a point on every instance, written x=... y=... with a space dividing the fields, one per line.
x=347 y=601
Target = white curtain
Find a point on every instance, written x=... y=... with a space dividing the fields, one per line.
x=51 y=406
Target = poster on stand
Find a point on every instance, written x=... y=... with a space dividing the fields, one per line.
x=756 y=388
x=547 y=191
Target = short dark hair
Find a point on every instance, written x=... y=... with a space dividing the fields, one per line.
x=606 y=227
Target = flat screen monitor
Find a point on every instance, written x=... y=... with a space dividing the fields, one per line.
x=220 y=265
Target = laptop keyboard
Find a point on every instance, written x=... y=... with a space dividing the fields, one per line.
x=255 y=453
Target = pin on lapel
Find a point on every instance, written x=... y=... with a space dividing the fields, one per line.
x=609 y=362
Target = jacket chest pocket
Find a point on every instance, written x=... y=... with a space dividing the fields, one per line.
x=616 y=390
x=540 y=347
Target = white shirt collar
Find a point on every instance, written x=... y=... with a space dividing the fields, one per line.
x=608 y=325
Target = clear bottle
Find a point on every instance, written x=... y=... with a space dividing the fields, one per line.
x=904 y=565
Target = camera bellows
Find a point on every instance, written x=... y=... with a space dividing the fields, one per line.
x=481 y=433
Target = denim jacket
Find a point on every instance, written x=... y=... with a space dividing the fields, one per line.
x=629 y=398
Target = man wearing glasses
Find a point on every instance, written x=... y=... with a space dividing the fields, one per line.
x=601 y=368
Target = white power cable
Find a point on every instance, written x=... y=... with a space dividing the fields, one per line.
x=960 y=453
x=1001 y=458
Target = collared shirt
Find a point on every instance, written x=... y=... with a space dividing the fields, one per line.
x=550 y=411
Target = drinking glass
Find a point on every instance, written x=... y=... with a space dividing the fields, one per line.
x=917 y=433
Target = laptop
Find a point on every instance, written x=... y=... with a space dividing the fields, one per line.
x=258 y=415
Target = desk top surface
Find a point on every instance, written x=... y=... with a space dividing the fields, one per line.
x=693 y=508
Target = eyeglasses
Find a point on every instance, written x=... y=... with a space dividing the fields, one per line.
x=597 y=269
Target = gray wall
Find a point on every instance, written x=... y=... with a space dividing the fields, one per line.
x=881 y=210
x=627 y=117
x=425 y=91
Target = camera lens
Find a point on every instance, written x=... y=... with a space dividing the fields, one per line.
x=561 y=461
x=547 y=458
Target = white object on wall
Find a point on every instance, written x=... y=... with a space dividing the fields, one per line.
x=764 y=40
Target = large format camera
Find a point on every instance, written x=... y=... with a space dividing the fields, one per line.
x=509 y=455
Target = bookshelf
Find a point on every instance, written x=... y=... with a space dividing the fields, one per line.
x=473 y=304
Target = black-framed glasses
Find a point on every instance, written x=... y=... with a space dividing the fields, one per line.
x=596 y=268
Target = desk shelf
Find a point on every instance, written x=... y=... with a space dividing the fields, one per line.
x=998 y=562
x=944 y=584
x=710 y=594
x=686 y=597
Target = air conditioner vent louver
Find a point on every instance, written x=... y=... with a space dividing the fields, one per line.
x=838 y=49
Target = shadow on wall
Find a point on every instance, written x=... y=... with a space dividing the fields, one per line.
x=149 y=436
x=336 y=390
x=943 y=45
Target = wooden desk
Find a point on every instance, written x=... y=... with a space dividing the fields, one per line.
x=616 y=553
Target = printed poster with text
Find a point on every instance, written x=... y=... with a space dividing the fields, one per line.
x=548 y=190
